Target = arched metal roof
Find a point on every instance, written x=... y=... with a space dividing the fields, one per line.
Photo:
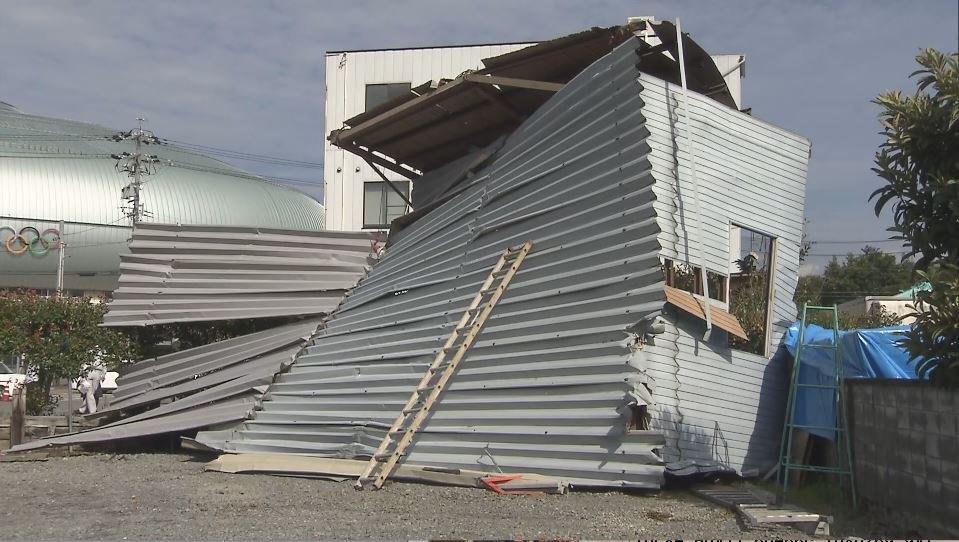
x=54 y=169
x=61 y=170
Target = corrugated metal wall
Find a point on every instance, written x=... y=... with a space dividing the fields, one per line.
x=204 y=386
x=545 y=388
x=723 y=404
x=347 y=75
x=179 y=273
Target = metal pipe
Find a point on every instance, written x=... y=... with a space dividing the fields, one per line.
x=692 y=171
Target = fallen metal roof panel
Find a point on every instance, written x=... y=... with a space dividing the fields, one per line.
x=180 y=273
x=547 y=384
x=211 y=415
x=209 y=385
x=186 y=365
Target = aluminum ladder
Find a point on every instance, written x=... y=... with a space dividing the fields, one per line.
x=841 y=424
x=435 y=380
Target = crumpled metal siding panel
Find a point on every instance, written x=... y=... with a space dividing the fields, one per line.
x=715 y=403
x=179 y=273
x=544 y=388
x=212 y=384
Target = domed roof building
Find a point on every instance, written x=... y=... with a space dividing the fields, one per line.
x=54 y=170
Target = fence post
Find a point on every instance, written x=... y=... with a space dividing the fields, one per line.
x=18 y=417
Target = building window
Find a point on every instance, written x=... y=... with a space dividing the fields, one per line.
x=689 y=278
x=381 y=204
x=752 y=264
x=382 y=93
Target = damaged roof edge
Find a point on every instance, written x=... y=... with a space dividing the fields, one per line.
x=470 y=112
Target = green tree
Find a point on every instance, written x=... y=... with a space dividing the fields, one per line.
x=55 y=338
x=873 y=272
x=919 y=163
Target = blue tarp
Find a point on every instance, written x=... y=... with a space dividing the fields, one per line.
x=866 y=353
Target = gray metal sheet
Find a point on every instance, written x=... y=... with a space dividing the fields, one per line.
x=220 y=413
x=187 y=365
x=208 y=385
x=715 y=403
x=545 y=387
x=179 y=273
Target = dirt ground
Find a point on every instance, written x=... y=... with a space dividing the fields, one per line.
x=170 y=496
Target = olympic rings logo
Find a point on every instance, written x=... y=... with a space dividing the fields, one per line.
x=29 y=239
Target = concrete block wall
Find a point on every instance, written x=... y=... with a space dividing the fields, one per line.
x=905 y=437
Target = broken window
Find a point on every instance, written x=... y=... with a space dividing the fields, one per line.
x=381 y=204
x=689 y=278
x=752 y=263
x=381 y=93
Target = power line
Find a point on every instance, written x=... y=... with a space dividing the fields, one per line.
x=242 y=155
x=836 y=242
x=57 y=156
x=183 y=146
x=106 y=225
x=243 y=175
x=890 y=252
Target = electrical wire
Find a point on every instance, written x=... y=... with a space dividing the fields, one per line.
x=241 y=155
x=843 y=242
x=184 y=146
x=890 y=252
x=106 y=225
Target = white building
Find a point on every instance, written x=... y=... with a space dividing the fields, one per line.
x=357 y=81
x=354 y=195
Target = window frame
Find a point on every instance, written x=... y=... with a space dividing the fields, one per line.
x=366 y=92
x=669 y=277
x=386 y=192
x=770 y=284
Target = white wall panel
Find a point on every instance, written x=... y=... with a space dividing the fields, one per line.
x=347 y=75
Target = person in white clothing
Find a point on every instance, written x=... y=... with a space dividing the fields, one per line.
x=90 y=388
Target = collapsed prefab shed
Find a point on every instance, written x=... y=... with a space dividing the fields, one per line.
x=575 y=349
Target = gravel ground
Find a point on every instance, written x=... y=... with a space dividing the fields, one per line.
x=169 y=496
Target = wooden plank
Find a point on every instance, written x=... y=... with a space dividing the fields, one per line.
x=18 y=416
x=514 y=82
x=497 y=100
x=389 y=183
x=303 y=465
x=722 y=319
x=380 y=161
x=341 y=137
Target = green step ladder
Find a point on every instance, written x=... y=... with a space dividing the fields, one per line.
x=841 y=425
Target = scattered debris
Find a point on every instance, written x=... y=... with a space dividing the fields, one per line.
x=658 y=515
x=342 y=469
x=757 y=511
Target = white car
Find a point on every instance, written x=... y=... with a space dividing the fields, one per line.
x=10 y=379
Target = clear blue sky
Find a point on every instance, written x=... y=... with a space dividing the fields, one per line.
x=248 y=75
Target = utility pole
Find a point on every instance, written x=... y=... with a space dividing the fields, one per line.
x=61 y=257
x=135 y=165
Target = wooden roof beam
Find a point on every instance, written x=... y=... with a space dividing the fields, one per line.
x=380 y=161
x=513 y=82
